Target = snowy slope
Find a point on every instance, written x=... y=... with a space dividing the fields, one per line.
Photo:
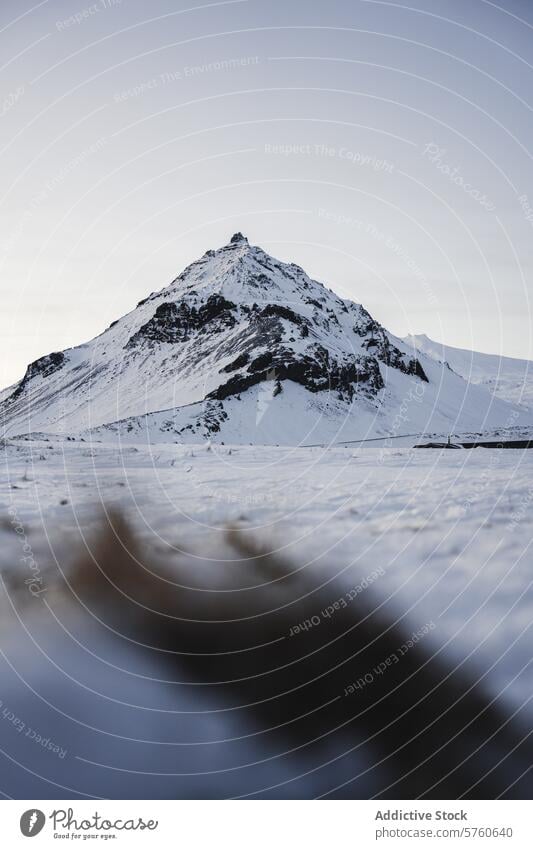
x=506 y=377
x=244 y=348
x=298 y=417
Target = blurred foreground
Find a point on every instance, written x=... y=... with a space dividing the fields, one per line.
x=358 y=629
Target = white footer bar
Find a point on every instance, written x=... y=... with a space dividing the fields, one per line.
x=266 y=824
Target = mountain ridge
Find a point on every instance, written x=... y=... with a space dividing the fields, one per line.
x=508 y=378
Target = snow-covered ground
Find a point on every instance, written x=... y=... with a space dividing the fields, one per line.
x=449 y=532
x=451 y=529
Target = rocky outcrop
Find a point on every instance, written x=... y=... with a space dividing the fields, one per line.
x=376 y=342
x=175 y=322
x=43 y=367
x=317 y=371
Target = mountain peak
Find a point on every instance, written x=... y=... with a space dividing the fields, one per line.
x=237 y=239
x=237 y=330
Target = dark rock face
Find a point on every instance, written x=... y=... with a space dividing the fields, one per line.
x=208 y=423
x=261 y=349
x=378 y=344
x=317 y=371
x=237 y=363
x=237 y=238
x=174 y=322
x=282 y=311
x=44 y=366
x=212 y=418
x=416 y=369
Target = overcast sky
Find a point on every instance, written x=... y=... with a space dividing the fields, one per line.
x=384 y=147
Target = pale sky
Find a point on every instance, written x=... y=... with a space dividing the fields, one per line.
x=384 y=147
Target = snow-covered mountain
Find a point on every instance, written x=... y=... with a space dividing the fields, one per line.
x=241 y=347
x=505 y=377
